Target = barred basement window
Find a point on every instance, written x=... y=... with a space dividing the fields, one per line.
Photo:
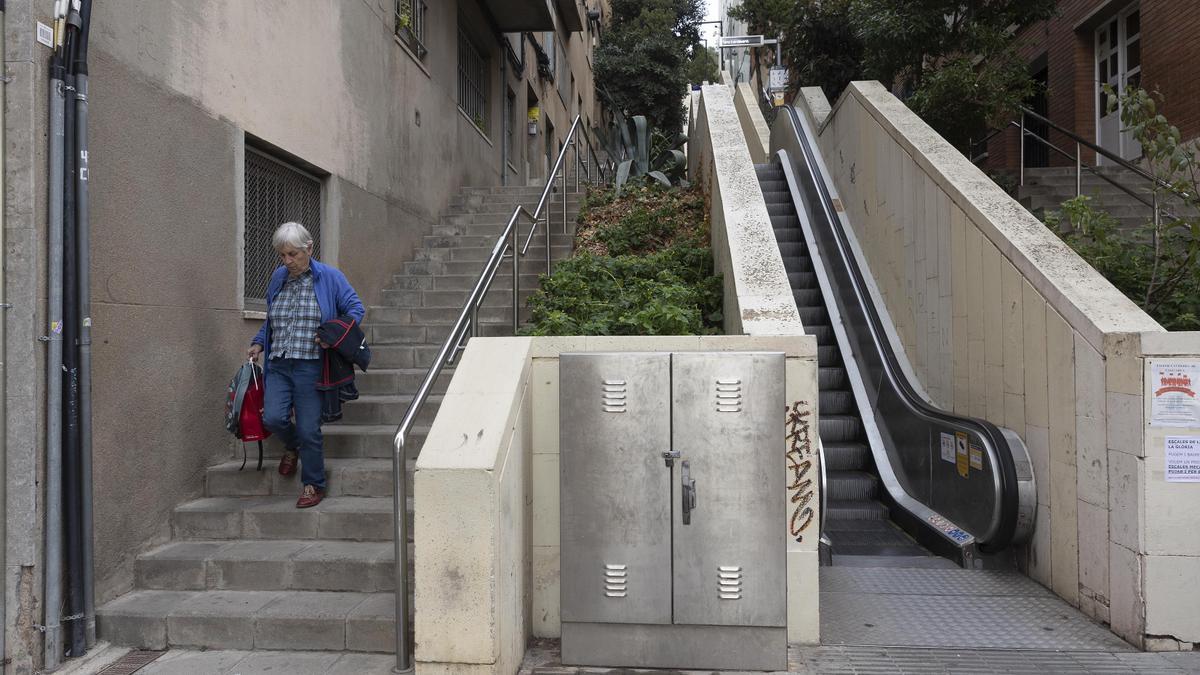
x=472 y=81
x=410 y=25
x=276 y=193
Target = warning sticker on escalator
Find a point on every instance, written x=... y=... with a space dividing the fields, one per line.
x=976 y=457
x=961 y=460
x=948 y=447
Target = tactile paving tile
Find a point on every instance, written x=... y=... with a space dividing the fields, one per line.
x=928 y=582
x=967 y=621
x=872 y=660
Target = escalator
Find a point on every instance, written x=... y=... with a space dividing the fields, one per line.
x=903 y=479
x=856 y=520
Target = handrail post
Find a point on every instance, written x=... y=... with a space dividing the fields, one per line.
x=1079 y=172
x=1021 y=150
x=547 y=221
x=516 y=261
x=575 y=143
x=564 y=200
x=404 y=662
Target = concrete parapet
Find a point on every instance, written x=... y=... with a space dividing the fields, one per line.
x=754 y=125
x=999 y=319
x=758 y=297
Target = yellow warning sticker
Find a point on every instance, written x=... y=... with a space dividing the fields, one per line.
x=961 y=461
x=976 y=457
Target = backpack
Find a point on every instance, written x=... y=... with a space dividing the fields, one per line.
x=244 y=408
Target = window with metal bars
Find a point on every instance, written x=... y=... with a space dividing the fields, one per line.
x=472 y=81
x=410 y=25
x=276 y=193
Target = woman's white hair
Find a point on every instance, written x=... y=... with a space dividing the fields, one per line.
x=291 y=234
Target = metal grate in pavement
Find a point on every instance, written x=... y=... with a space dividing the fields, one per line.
x=955 y=581
x=131 y=662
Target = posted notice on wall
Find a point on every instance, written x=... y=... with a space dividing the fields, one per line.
x=1183 y=459
x=1173 y=388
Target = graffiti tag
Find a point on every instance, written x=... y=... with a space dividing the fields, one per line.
x=799 y=464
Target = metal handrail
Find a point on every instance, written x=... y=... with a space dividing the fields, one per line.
x=507 y=245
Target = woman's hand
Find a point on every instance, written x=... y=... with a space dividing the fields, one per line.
x=323 y=345
x=253 y=352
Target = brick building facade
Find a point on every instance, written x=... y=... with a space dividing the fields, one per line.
x=1151 y=43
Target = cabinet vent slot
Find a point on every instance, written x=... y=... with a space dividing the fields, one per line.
x=612 y=396
x=615 y=580
x=729 y=582
x=729 y=395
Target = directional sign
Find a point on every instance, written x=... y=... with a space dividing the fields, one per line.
x=742 y=41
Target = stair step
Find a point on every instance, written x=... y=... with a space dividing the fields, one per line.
x=462 y=282
x=356 y=477
x=290 y=620
x=837 y=402
x=349 y=518
x=828 y=355
x=774 y=196
x=400 y=380
x=369 y=440
x=480 y=254
x=450 y=314
x=530 y=264
x=387 y=409
x=833 y=377
x=430 y=298
x=789 y=234
x=269 y=565
x=557 y=238
x=405 y=356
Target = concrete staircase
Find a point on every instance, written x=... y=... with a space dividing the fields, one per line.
x=245 y=569
x=1047 y=188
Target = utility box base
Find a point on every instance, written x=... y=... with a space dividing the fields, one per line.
x=675 y=646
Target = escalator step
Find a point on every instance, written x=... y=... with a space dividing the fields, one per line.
x=857 y=510
x=837 y=402
x=773 y=185
x=785 y=209
x=846 y=456
x=778 y=196
x=798 y=264
x=824 y=334
x=810 y=314
x=791 y=249
x=847 y=486
x=803 y=266
x=832 y=378
x=768 y=168
x=783 y=234
x=805 y=297
x=828 y=355
x=839 y=428
x=786 y=221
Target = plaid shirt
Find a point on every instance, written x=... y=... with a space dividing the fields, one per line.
x=295 y=317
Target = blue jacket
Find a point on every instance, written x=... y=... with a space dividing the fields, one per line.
x=335 y=296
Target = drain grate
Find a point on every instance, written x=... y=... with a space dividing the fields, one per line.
x=131 y=662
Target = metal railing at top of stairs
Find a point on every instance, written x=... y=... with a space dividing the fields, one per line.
x=507 y=246
x=1080 y=143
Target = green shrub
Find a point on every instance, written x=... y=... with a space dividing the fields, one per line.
x=643 y=267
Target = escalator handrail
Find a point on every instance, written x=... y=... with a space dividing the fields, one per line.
x=1002 y=533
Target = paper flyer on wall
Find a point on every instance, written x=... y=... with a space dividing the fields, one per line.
x=1183 y=459
x=1173 y=387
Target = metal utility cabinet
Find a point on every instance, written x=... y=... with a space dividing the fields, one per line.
x=672 y=498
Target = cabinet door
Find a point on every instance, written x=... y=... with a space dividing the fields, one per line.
x=615 y=491
x=728 y=426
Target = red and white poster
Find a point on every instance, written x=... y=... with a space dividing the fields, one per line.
x=1174 y=387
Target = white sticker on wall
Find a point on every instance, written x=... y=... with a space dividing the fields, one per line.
x=45 y=34
x=1183 y=459
x=948 y=447
x=1173 y=386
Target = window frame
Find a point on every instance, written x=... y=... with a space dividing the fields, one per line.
x=477 y=110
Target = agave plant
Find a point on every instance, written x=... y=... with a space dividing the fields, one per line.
x=652 y=155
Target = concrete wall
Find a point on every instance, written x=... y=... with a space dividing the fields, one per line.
x=1000 y=320
x=754 y=125
x=487 y=498
x=176 y=89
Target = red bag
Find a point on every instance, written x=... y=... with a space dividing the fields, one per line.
x=244 y=408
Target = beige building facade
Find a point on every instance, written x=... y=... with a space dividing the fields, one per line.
x=211 y=123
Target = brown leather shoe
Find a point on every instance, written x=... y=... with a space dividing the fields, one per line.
x=287 y=463
x=310 y=496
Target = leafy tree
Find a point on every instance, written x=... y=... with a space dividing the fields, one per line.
x=640 y=61
x=957 y=60
x=702 y=66
x=822 y=46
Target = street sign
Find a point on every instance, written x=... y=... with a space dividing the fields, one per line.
x=742 y=41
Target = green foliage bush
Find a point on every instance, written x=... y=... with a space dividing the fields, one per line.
x=644 y=267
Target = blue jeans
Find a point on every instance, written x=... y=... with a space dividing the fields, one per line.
x=291 y=384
